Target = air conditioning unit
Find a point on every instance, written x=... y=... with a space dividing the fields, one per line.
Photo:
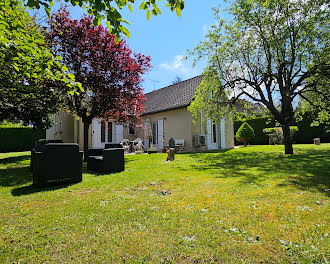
x=199 y=140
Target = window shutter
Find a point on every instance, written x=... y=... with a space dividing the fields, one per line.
x=223 y=133
x=145 y=140
x=160 y=133
x=96 y=133
x=119 y=133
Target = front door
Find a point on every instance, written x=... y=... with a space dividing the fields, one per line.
x=102 y=133
x=212 y=135
x=157 y=134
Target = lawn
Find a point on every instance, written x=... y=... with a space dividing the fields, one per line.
x=247 y=205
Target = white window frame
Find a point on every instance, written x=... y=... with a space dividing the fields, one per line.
x=58 y=127
x=133 y=126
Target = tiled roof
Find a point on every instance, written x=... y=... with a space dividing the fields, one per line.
x=171 y=97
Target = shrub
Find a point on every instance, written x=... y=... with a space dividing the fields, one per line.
x=245 y=133
x=152 y=148
x=41 y=141
x=19 y=138
x=258 y=125
x=304 y=135
x=275 y=134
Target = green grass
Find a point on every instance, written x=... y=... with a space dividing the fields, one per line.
x=247 y=205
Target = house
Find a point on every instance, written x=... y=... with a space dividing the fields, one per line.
x=166 y=110
x=242 y=105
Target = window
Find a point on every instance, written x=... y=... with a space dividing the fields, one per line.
x=214 y=133
x=131 y=129
x=106 y=131
x=58 y=127
x=102 y=131
x=109 y=131
x=155 y=133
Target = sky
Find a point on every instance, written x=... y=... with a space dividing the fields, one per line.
x=166 y=38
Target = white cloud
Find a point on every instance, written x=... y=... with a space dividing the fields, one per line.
x=176 y=65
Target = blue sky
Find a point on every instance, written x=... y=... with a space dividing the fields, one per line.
x=166 y=38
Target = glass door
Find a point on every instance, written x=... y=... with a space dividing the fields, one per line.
x=106 y=133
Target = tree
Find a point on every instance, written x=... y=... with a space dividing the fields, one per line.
x=245 y=133
x=110 y=9
x=318 y=101
x=26 y=69
x=108 y=71
x=266 y=53
x=177 y=79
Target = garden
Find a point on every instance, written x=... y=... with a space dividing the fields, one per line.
x=252 y=204
x=245 y=205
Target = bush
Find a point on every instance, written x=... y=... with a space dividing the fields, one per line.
x=304 y=135
x=275 y=134
x=44 y=141
x=19 y=138
x=258 y=125
x=245 y=133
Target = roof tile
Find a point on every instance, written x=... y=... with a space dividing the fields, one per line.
x=171 y=97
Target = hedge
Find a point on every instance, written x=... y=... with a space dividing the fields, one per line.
x=304 y=135
x=258 y=124
x=19 y=138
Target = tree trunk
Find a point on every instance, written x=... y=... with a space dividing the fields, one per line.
x=287 y=138
x=244 y=143
x=86 y=129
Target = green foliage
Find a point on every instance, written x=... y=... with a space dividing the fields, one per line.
x=19 y=138
x=245 y=133
x=271 y=130
x=305 y=134
x=319 y=102
x=307 y=131
x=111 y=10
x=275 y=134
x=27 y=68
x=152 y=148
x=41 y=141
x=5 y=123
x=44 y=141
x=267 y=53
x=258 y=125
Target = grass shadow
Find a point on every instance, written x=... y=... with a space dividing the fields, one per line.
x=16 y=171
x=204 y=152
x=99 y=173
x=96 y=173
x=308 y=169
x=30 y=189
x=11 y=160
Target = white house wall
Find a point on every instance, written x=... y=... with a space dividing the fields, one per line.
x=62 y=129
x=176 y=124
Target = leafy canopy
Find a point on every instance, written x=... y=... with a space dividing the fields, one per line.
x=110 y=73
x=276 y=134
x=110 y=10
x=268 y=53
x=26 y=68
x=318 y=102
